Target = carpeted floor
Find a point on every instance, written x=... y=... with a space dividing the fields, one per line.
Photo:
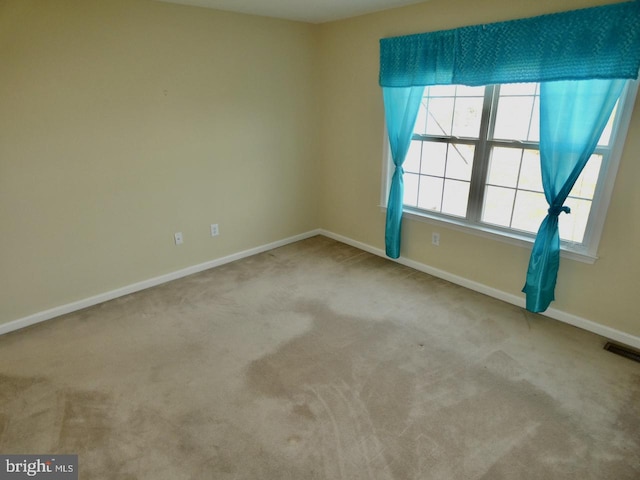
x=319 y=361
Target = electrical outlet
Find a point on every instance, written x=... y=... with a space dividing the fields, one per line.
x=178 y=238
x=435 y=239
x=215 y=231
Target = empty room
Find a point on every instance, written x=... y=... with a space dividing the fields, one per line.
x=295 y=239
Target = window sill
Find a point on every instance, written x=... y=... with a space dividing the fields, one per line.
x=485 y=231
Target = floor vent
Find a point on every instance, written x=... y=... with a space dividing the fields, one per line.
x=623 y=351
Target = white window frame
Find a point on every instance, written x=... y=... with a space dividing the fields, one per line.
x=584 y=252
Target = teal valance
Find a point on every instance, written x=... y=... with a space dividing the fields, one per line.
x=598 y=42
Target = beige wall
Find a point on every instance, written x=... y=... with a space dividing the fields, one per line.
x=124 y=121
x=352 y=148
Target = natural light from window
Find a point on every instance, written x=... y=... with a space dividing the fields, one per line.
x=475 y=157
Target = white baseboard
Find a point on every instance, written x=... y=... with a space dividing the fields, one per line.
x=519 y=301
x=152 y=282
x=597 y=328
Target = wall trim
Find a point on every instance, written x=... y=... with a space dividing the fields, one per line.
x=576 y=321
x=143 y=285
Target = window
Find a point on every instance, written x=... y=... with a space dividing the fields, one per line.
x=474 y=162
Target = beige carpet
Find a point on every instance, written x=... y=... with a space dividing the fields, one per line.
x=319 y=361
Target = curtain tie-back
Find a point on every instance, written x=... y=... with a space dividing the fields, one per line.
x=399 y=169
x=556 y=210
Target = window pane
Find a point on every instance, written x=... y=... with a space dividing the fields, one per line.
x=410 y=189
x=530 y=176
x=504 y=166
x=434 y=158
x=498 y=203
x=605 y=138
x=585 y=186
x=430 y=193
x=441 y=91
x=440 y=116
x=573 y=225
x=534 y=128
x=455 y=198
x=465 y=91
x=460 y=161
x=468 y=112
x=513 y=118
x=421 y=120
x=518 y=89
x=529 y=211
x=412 y=160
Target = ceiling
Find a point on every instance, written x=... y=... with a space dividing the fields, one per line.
x=312 y=11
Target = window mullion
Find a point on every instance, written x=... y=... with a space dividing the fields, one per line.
x=517 y=189
x=481 y=157
x=419 y=174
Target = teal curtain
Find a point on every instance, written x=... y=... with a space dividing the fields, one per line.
x=598 y=42
x=401 y=107
x=573 y=115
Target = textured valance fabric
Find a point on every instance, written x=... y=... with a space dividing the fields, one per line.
x=599 y=42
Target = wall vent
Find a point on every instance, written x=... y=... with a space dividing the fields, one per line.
x=623 y=351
